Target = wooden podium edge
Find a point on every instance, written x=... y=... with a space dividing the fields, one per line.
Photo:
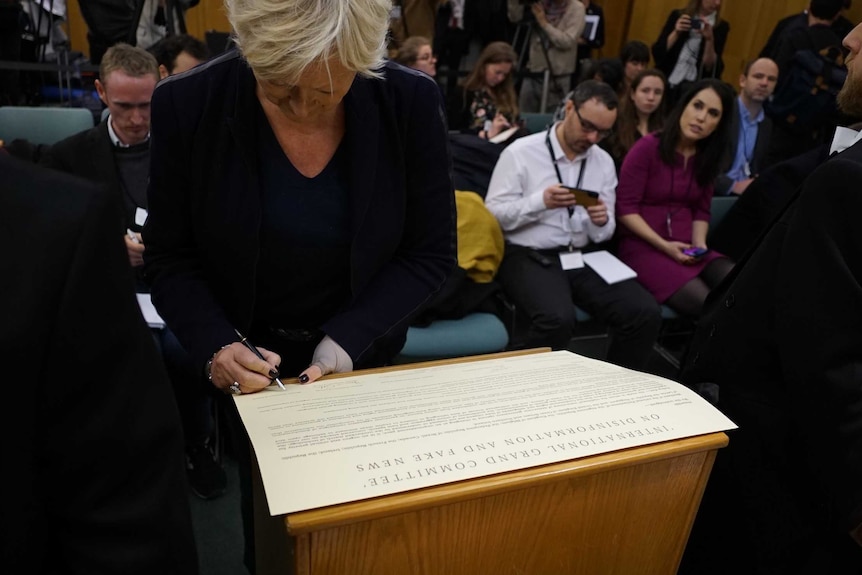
x=367 y=509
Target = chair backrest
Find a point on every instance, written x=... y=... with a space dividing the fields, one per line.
x=720 y=206
x=42 y=125
x=537 y=122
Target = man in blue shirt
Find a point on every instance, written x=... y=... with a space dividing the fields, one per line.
x=757 y=82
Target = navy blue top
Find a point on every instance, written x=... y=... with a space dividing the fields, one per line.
x=304 y=265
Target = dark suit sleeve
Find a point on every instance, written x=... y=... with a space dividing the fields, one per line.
x=600 y=33
x=56 y=158
x=100 y=485
x=174 y=262
x=720 y=39
x=819 y=325
x=427 y=251
x=660 y=51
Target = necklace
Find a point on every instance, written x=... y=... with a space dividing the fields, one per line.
x=684 y=199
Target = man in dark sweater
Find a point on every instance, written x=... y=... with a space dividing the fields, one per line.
x=116 y=153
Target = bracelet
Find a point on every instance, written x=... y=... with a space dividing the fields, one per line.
x=208 y=367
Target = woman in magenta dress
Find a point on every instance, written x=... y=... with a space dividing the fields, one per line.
x=664 y=196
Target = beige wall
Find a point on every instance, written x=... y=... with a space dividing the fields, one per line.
x=751 y=21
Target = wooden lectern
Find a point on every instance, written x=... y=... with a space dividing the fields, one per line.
x=624 y=512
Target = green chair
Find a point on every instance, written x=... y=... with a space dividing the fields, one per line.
x=475 y=334
x=42 y=125
x=537 y=122
x=719 y=209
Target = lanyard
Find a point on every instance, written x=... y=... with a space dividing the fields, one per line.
x=557 y=168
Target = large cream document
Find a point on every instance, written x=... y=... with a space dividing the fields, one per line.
x=369 y=435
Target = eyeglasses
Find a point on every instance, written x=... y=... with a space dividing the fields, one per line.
x=588 y=127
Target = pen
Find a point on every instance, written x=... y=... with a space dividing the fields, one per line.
x=133 y=236
x=244 y=340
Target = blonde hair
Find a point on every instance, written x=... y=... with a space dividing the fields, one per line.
x=133 y=61
x=281 y=38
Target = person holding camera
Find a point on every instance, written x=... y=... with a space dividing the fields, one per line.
x=690 y=45
x=553 y=42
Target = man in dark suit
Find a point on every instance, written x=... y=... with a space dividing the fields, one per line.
x=93 y=445
x=116 y=153
x=778 y=347
x=753 y=128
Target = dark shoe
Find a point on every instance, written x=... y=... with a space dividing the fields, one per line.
x=206 y=477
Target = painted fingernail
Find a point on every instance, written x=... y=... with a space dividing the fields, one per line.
x=273 y=373
x=303 y=378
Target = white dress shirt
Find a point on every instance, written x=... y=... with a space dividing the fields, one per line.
x=515 y=193
x=843 y=139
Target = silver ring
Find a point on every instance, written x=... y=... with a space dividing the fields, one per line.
x=234 y=388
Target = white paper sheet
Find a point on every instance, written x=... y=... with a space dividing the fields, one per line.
x=591 y=26
x=151 y=316
x=609 y=267
x=358 y=437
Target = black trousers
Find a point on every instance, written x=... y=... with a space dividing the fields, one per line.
x=538 y=285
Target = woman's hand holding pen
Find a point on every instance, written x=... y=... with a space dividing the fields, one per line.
x=237 y=364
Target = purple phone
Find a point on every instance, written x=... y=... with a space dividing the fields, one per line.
x=695 y=252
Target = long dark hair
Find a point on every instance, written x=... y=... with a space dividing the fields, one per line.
x=626 y=130
x=505 y=98
x=713 y=152
x=693 y=9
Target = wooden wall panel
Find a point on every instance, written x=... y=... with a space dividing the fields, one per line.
x=750 y=25
x=617 y=15
x=208 y=15
x=751 y=21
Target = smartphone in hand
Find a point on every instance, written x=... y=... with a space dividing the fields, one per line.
x=585 y=198
x=696 y=252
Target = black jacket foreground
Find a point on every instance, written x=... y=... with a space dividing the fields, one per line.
x=204 y=207
x=94 y=471
x=782 y=339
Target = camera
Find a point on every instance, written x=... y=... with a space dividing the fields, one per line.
x=696 y=23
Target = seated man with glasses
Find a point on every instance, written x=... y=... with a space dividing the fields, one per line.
x=545 y=227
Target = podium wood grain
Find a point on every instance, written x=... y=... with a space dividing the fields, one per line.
x=624 y=512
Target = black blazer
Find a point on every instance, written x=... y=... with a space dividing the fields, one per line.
x=665 y=59
x=781 y=338
x=94 y=462
x=204 y=206
x=88 y=154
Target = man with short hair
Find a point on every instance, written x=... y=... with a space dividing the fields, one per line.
x=116 y=153
x=530 y=195
x=178 y=53
x=756 y=84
